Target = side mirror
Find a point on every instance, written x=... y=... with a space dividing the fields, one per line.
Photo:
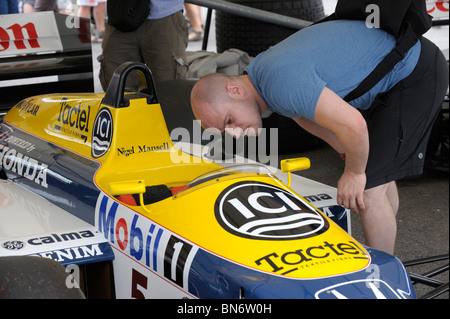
x=294 y=164
x=128 y=188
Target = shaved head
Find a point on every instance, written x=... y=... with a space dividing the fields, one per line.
x=226 y=102
x=210 y=89
x=208 y=95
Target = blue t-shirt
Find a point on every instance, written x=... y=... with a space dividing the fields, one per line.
x=291 y=75
x=163 y=8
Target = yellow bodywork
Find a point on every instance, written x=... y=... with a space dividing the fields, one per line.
x=141 y=153
x=140 y=149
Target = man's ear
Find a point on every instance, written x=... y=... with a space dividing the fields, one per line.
x=234 y=89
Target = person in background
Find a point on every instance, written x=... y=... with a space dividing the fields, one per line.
x=98 y=9
x=9 y=6
x=160 y=42
x=194 y=14
x=28 y=6
x=46 y=5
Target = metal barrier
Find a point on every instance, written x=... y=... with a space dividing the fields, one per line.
x=247 y=12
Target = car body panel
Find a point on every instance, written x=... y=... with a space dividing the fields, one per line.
x=222 y=230
x=32 y=226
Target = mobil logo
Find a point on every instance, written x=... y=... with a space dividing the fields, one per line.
x=261 y=211
x=128 y=231
x=144 y=241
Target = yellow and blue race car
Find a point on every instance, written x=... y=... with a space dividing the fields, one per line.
x=96 y=181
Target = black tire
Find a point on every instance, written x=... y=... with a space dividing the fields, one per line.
x=253 y=36
x=30 y=277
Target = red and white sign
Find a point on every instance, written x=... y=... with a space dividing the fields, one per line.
x=438 y=8
x=29 y=33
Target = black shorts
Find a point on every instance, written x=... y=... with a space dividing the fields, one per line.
x=400 y=120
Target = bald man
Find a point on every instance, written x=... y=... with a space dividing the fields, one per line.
x=382 y=135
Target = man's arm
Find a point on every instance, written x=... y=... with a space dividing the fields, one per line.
x=321 y=132
x=347 y=124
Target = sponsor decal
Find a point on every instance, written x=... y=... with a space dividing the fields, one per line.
x=339 y=215
x=13 y=245
x=28 y=107
x=177 y=254
x=59 y=242
x=57 y=238
x=18 y=36
x=371 y=288
x=23 y=165
x=317 y=197
x=311 y=257
x=145 y=241
x=438 y=8
x=5 y=131
x=122 y=151
x=72 y=255
x=262 y=211
x=29 y=33
x=102 y=133
x=336 y=213
x=21 y=143
x=125 y=235
x=73 y=119
x=48 y=239
x=80 y=254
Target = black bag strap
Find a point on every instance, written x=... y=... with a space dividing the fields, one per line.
x=407 y=20
x=415 y=22
x=127 y=15
x=384 y=67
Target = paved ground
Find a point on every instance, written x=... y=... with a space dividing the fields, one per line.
x=423 y=218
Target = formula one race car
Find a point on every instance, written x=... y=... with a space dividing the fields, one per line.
x=96 y=183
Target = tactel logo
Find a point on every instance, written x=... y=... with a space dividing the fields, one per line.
x=262 y=211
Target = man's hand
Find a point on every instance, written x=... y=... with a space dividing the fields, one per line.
x=350 y=130
x=351 y=191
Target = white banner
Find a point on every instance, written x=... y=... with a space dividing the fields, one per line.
x=29 y=33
